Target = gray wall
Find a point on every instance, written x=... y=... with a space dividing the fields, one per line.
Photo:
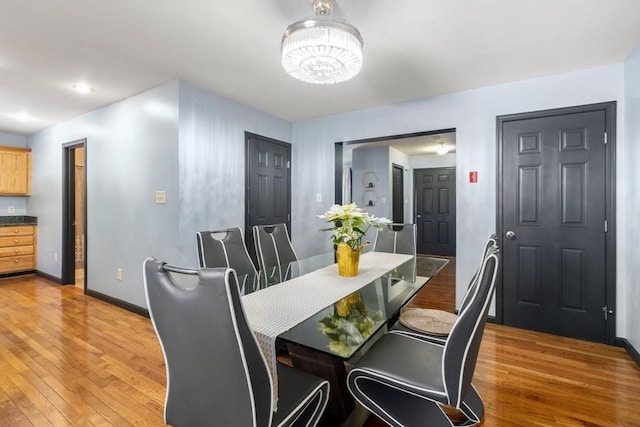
x=628 y=196
x=19 y=203
x=212 y=156
x=132 y=151
x=140 y=145
x=135 y=147
x=473 y=114
x=371 y=161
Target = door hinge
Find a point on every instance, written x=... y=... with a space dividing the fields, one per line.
x=607 y=312
x=288 y=164
x=605 y=138
x=288 y=217
x=606 y=226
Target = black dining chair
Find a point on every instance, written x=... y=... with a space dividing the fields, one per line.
x=273 y=250
x=398 y=239
x=435 y=323
x=216 y=374
x=409 y=381
x=226 y=248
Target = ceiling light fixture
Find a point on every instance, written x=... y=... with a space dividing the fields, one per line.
x=441 y=148
x=322 y=50
x=82 y=88
x=21 y=117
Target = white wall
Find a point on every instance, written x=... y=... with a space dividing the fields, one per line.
x=132 y=150
x=628 y=197
x=473 y=114
x=18 y=202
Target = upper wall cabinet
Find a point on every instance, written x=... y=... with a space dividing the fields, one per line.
x=15 y=171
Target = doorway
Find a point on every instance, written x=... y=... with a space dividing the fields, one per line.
x=74 y=252
x=420 y=150
x=556 y=219
x=268 y=181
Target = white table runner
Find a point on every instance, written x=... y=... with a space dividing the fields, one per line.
x=278 y=308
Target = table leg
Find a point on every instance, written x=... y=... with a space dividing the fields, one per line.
x=332 y=369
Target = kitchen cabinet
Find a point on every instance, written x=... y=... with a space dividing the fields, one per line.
x=17 y=248
x=15 y=171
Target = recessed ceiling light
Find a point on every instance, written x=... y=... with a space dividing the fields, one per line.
x=82 y=88
x=21 y=117
x=442 y=148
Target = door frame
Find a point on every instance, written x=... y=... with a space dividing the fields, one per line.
x=67 y=272
x=338 y=153
x=610 y=201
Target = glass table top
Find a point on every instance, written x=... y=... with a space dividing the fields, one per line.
x=342 y=328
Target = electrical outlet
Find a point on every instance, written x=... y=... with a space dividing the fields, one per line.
x=161 y=197
x=55 y=256
x=119 y=274
x=11 y=209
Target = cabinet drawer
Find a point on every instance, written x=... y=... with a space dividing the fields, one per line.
x=16 y=230
x=17 y=263
x=16 y=241
x=16 y=250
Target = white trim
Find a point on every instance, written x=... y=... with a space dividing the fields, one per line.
x=310 y=396
x=475 y=327
x=241 y=348
x=153 y=323
x=199 y=249
x=369 y=378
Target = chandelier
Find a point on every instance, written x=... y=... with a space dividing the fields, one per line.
x=320 y=49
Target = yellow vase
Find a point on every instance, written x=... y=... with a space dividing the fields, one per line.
x=348 y=259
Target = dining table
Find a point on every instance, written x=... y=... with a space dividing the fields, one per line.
x=323 y=322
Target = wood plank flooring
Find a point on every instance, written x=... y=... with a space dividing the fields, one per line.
x=67 y=359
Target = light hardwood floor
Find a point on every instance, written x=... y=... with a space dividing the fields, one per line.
x=69 y=359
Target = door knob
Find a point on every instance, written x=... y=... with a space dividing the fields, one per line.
x=510 y=235
x=419 y=216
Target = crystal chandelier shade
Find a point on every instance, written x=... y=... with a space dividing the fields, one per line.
x=322 y=50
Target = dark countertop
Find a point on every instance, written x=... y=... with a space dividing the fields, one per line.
x=9 y=220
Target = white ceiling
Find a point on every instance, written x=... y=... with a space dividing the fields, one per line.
x=413 y=49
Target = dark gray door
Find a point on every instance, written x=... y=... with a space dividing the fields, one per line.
x=435 y=194
x=397 y=191
x=554 y=211
x=268 y=178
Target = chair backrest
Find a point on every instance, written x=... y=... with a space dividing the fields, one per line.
x=492 y=242
x=397 y=239
x=224 y=248
x=216 y=374
x=273 y=247
x=462 y=346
